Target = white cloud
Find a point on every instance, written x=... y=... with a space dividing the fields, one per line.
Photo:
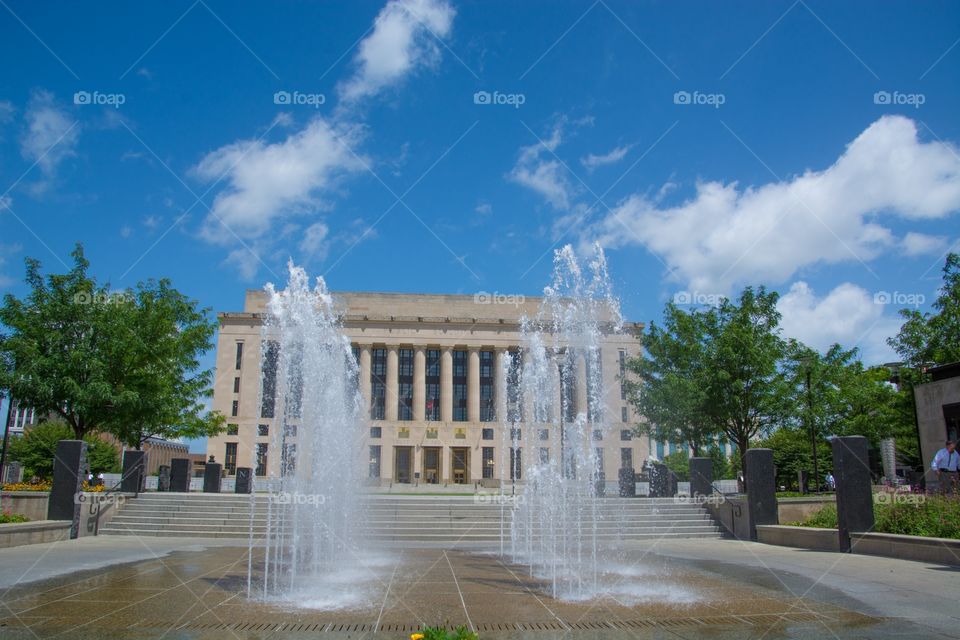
x=314 y=243
x=917 y=244
x=539 y=169
x=591 y=161
x=726 y=234
x=403 y=39
x=483 y=209
x=848 y=315
x=6 y=112
x=51 y=134
x=6 y=250
x=269 y=182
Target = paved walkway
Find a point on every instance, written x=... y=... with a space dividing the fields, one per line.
x=128 y=587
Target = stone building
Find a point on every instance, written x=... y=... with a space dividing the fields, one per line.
x=427 y=373
x=938 y=411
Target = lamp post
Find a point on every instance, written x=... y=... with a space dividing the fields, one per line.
x=808 y=364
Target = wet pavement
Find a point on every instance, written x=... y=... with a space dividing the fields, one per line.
x=682 y=589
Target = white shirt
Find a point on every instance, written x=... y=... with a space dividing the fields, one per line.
x=946 y=460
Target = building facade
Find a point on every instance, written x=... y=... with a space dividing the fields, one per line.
x=428 y=374
x=21 y=417
x=938 y=412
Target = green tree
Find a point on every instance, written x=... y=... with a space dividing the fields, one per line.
x=742 y=380
x=679 y=463
x=933 y=337
x=668 y=389
x=37 y=447
x=121 y=363
x=792 y=453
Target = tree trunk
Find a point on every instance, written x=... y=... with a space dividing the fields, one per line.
x=742 y=445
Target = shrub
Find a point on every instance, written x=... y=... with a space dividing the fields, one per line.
x=440 y=633
x=8 y=518
x=932 y=516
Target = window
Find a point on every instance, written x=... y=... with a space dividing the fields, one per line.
x=290 y=431
x=376 y=432
x=271 y=360
x=230 y=458
x=261 y=459
x=623 y=415
x=544 y=434
x=239 y=355
x=487 y=455
x=378 y=384
x=235 y=409
x=626 y=458
x=597 y=434
x=516 y=463
x=232 y=429
x=623 y=374
x=488 y=410
x=594 y=372
x=263 y=430
x=514 y=390
x=432 y=381
x=288 y=459
x=515 y=434
x=544 y=455
x=459 y=386
x=374 y=465
x=626 y=434
x=405 y=385
x=236 y=384
x=598 y=457
x=487 y=434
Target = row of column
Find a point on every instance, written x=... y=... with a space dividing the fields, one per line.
x=420 y=378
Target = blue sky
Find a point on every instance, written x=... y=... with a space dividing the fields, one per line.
x=807 y=146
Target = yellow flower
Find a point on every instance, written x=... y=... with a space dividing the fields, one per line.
x=416 y=636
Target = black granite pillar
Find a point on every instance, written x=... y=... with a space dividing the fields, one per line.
x=659 y=479
x=701 y=477
x=761 y=489
x=180 y=475
x=211 y=477
x=69 y=470
x=133 y=477
x=854 y=487
x=244 y=480
x=163 y=478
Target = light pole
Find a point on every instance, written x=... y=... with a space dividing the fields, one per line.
x=808 y=363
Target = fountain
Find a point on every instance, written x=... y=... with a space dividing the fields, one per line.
x=555 y=522
x=310 y=387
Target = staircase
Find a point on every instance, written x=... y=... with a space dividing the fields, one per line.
x=401 y=518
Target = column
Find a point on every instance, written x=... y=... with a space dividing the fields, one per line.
x=526 y=403
x=446 y=385
x=500 y=402
x=365 y=378
x=392 y=390
x=419 y=384
x=582 y=401
x=473 y=385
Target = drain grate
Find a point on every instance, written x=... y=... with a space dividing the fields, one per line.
x=281 y=627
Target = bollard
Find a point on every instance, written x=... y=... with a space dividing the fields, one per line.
x=761 y=489
x=854 y=487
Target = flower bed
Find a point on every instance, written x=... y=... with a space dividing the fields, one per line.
x=928 y=516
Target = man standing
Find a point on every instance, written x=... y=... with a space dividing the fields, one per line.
x=945 y=463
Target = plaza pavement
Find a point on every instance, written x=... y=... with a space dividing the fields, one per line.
x=132 y=587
